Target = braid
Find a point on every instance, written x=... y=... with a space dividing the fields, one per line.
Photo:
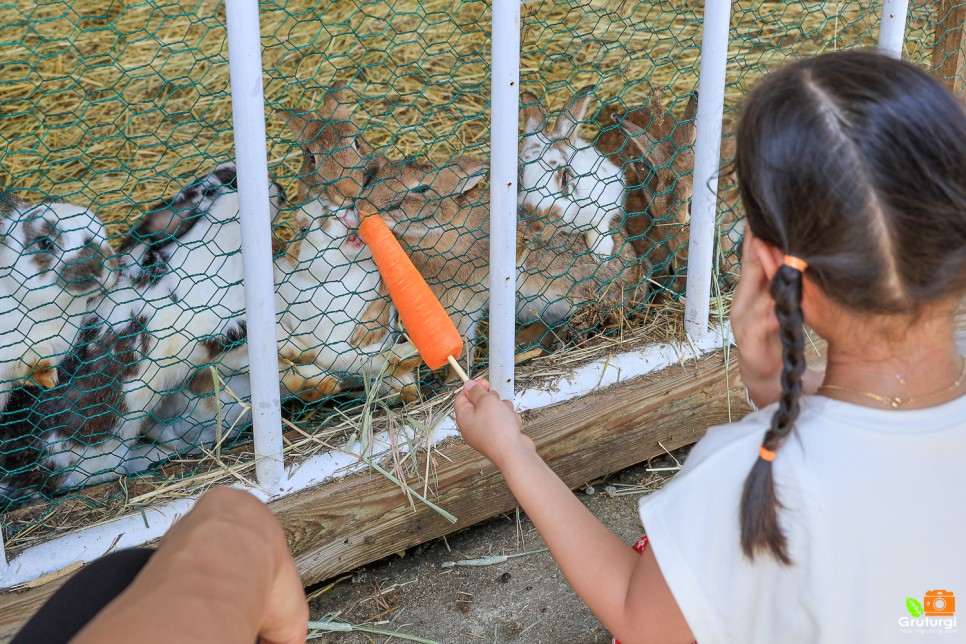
x=759 y=503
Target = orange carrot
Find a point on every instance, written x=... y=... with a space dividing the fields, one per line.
x=426 y=322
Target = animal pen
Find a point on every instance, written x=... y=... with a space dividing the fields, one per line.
x=614 y=355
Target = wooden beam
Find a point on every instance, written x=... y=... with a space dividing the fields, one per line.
x=342 y=525
x=949 y=50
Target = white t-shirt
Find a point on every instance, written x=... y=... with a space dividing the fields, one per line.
x=874 y=512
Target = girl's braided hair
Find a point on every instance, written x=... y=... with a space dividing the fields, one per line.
x=856 y=163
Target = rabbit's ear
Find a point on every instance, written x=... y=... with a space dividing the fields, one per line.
x=473 y=170
x=566 y=125
x=305 y=129
x=684 y=132
x=455 y=179
x=534 y=118
x=8 y=203
x=336 y=106
x=649 y=148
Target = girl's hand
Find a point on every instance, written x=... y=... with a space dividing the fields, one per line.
x=488 y=424
x=755 y=325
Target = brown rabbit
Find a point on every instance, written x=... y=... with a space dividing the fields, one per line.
x=666 y=149
x=441 y=216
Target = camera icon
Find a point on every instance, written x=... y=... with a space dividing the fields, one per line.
x=938 y=603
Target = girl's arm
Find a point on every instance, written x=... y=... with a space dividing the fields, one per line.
x=625 y=590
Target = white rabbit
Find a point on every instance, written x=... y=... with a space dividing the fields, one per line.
x=53 y=258
x=327 y=287
x=567 y=177
x=334 y=318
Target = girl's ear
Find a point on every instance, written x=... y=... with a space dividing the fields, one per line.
x=770 y=257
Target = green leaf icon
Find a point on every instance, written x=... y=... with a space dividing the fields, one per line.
x=914 y=607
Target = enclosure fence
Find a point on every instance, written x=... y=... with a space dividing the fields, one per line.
x=153 y=310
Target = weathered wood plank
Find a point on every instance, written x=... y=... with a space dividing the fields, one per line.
x=17 y=607
x=949 y=50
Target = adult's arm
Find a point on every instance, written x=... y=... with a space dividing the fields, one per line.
x=223 y=573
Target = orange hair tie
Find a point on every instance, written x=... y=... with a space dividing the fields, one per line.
x=794 y=262
x=766 y=454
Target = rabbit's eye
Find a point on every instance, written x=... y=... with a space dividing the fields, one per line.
x=44 y=244
x=421 y=189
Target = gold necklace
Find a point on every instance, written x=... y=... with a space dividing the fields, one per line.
x=895 y=402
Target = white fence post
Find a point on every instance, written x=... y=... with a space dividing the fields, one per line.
x=504 y=144
x=248 y=113
x=892 y=26
x=707 y=159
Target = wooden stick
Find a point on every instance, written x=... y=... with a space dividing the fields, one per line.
x=456 y=366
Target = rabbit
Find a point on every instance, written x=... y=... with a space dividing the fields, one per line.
x=333 y=306
x=666 y=152
x=54 y=258
x=333 y=311
x=441 y=217
x=335 y=155
x=560 y=170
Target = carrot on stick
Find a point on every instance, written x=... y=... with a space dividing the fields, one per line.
x=429 y=328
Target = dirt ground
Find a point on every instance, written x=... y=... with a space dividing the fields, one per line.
x=523 y=598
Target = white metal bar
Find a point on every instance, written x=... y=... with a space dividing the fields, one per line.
x=504 y=111
x=707 y=159
x=892 y=26
x=248 y=114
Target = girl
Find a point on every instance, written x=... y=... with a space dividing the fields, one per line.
x=834 y=514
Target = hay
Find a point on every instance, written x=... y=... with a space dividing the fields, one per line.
x=116 y=103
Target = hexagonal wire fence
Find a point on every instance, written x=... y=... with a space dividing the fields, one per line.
x=124 y=336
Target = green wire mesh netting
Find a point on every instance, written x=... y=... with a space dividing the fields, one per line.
x=123 y=109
